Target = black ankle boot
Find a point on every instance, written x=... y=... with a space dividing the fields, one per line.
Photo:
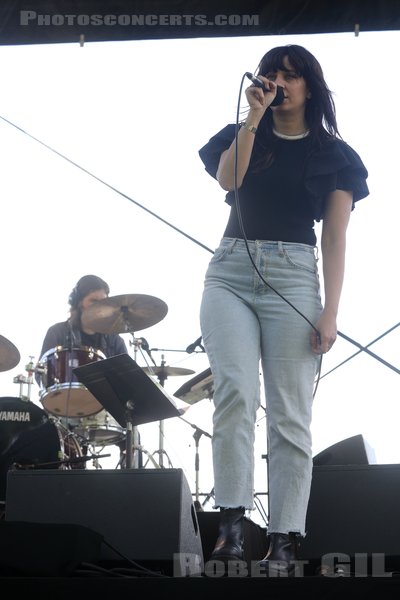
x=229 y=544
x=283 y=552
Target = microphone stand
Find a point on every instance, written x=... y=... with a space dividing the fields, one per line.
x=197 y=435
x=207 y=498
x=191 y=349
x=174 y=350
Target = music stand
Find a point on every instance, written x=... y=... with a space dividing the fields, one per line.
x=127 y=393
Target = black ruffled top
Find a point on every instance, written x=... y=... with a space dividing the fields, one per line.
x=283 y=201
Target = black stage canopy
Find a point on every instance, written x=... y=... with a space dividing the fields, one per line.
x=69 y=21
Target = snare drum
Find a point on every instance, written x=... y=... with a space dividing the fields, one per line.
x=100 y=429
x=61 y=394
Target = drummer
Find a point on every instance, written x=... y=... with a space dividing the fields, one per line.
x=72 y=334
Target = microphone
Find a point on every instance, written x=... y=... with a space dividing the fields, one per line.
x=192 y=347
x=280 y=96
x=145 y=345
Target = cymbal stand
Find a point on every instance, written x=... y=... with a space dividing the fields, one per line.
x=132 y=432
x=197 y=435
x=161 y=378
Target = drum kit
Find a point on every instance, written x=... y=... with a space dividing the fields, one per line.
x=73 y=421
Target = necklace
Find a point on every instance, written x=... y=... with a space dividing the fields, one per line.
x=283 y=136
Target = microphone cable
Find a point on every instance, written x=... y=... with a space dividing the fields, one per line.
x=117 y=191
x=241 y=225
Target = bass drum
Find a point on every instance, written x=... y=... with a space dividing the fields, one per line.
x=61 y=393
x=37 y=441
x=100 y=429
x=17 y=417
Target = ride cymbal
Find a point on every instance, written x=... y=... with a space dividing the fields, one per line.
x=9 y=355
x=124 y=314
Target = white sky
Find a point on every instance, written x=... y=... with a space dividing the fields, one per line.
x=135 y=114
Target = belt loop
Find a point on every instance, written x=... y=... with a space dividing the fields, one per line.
x=280 y=248
x=232 y=245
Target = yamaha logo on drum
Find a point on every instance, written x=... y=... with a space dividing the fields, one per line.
x=14 y=415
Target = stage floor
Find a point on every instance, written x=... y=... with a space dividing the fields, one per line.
x=100 y=587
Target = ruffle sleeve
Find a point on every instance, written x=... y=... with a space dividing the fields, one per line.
x=335 y=166
x=210 y=154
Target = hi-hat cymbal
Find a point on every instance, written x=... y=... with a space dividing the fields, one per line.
x=163 y=371
x=123 y=314
x=9 y=355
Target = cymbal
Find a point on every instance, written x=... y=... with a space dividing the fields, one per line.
x=163 y=371
x=9 y=355
x=124 y=313
x=199 y=387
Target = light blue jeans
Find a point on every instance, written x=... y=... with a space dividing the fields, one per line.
x=242 y=322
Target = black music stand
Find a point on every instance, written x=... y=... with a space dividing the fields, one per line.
x=127 y=393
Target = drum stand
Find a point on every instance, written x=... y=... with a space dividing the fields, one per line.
x=25 y=379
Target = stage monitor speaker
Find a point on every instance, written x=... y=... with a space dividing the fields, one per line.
x=353 y=510
x=144 y=515
x=352 y=451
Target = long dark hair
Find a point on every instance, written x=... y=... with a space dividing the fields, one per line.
x=86 y=285
x=320 y=108
x=320 y=112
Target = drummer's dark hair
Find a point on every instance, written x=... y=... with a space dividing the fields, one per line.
x=86 y=284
